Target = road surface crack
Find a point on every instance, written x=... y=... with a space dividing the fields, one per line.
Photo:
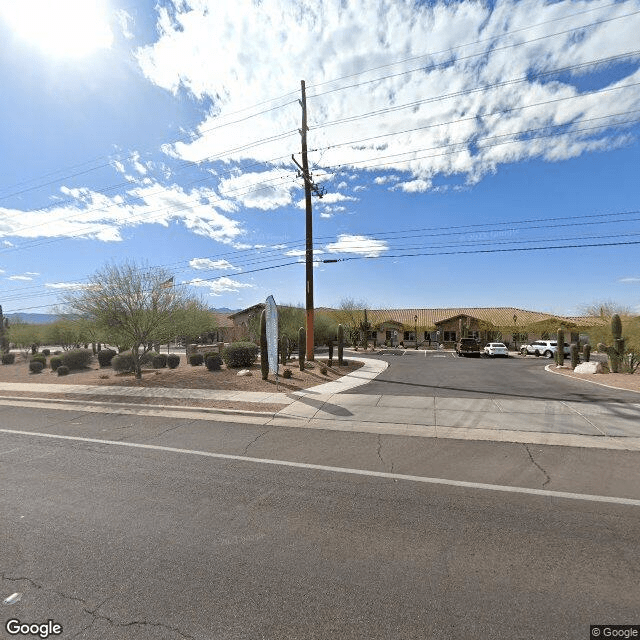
x=182 y=424
x=142 y=623
x=379 y=452
x=546 y=475
x=36 y=585
x=264 y=433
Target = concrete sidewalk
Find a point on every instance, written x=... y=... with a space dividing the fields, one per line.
x=600 y=425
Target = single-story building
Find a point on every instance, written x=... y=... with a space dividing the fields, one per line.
x=510 y=325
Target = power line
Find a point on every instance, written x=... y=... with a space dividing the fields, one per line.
x=485 y=87
x=266 y=257
x=435 y=67
x=460 y=46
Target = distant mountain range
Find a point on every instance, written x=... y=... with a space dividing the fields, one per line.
x=31 y=318
x=46 y=318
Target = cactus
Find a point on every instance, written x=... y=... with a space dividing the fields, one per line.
x=560 y=348
x=302 y=342
x=264 y=353
x=587 y=352
x=340 y=344
x=616 y=352
x=330 y=353
x=4 y=324
x=575 y=356
x=284 y=350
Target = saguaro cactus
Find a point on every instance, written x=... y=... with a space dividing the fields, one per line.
x=616 y=352
x=587 y=352
x=264 y=353
x=340 y=344
x=575 y=356
x=4 y=343
x=302 y=345
x=560 y=348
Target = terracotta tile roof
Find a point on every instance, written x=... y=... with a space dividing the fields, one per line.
x=223 y=319
x=497 y=316
x=427 y=318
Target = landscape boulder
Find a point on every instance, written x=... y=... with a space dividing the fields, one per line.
x=589 y=367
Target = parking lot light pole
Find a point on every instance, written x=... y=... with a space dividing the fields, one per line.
x=415 y=319
x=515 y=331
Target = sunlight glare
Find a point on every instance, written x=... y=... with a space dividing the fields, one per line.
x=64 y=28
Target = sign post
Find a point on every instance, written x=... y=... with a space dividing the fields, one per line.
x=271 y=317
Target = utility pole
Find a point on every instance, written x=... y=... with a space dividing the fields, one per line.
x=309 y=186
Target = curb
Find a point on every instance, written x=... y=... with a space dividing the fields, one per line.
x=600 y=384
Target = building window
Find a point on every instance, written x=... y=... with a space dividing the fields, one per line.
x=410 y=336
x=449 y=336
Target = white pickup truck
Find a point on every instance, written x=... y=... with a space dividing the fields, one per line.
x=546 y=348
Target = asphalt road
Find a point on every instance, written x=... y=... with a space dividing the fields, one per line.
x=119 y=542
x=445 y=375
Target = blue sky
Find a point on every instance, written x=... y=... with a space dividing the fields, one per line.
x=457 y=144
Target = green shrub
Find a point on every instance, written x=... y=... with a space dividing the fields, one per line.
x=39 y=357
x=196 y=359
x=55 y=362
x=63 y=370
x=105 y=356
x=46 y=352
x=213 y=362
x=8 y=358
x=240 y=354
x=36 y=366
x=173 y=360
x=76 y=358
x=324 y=370
x=122 y=362
x=57 y=352
x=159 y=361
x=287 y=373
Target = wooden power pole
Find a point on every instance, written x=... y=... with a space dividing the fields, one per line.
x=309 y=186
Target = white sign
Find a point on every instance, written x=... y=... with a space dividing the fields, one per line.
x=271 y=317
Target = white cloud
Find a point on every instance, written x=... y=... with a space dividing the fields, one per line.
x=71 y=286
x=360 y=245
x=206 y=263
x=414 y=186
x=302 y=252
x=216 y=50
x=386 y=179
x=330 y=198
x=20 y=278
x=265 y=190
x=220 y=285
x=125 y=20
x=630 y=280
x=90 y=214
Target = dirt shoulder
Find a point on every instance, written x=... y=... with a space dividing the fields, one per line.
x=184 y=376
x=629 y=382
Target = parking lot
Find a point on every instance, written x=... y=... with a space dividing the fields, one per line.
x=443 y=374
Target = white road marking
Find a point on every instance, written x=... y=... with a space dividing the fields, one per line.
x=343 y=470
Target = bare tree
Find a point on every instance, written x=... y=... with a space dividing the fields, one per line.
x=137 y=306
x=350 y=314
x=605 y=309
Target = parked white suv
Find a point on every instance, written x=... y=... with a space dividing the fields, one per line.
x=546 y=348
